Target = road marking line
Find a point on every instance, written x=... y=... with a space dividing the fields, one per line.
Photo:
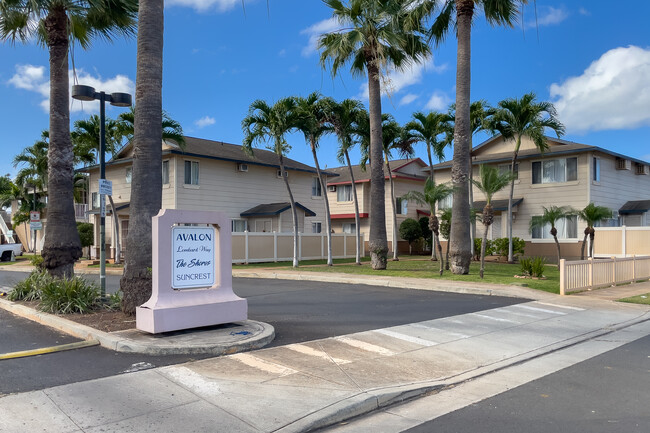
x=441 y=331
x=365 y=346
x=514 y=313
x=52 y=349
x=562 y=306
x=306 y=350
x=492 y=318
x=405 y=337
x=543 y=310
x=262 y=364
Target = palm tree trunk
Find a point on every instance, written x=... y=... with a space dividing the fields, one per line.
x=328 y=218
x=592 y=237
x=584 y=244
x=435 y=224
x=447 y=256
x=146 y=184
x=461 y=254
x=378 y=243
x=116 y=224
x=62 y=244
x=511 y=258
x=470 y=194
x=433 y=248
x=557 y=244
x=394 y=205
x=294 y=213
x=357 y=223
x=483 y=244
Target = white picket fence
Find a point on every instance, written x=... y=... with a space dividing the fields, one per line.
x=593 y=273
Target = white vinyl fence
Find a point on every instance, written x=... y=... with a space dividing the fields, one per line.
x=250 y=247
x=594 y=273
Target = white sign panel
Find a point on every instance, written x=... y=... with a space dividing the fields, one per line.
x=105 y=187
x=193 y=257
x=34 y=216
x=36 y=226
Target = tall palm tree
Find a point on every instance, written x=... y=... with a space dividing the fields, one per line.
x=171 y=129
x=270 y=123
x=457 y=16
x=445 y=229
x=431 y=195
x=551 y=216
x=491 y=181
x=374 y=35
x=343 y=118
x=592 y=214
x=33 y=160
x=55 y=24
x=312 y=116
x=146 y=183
x=516 y=118
x=85 y=138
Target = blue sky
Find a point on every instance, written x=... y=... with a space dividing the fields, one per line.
x=592 y=61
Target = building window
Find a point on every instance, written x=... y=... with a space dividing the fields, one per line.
x=344 y=193
x=316 y=227
x=191 y=173
x=505 y=168
x=567 y=228
x=129 y=174
x=596 y=173
x=555 y=170
x=95 y=200
x=446 y=202
x=238 y=226
x=315 y=188
x=401 y=206
x=349 y=228
x=165 y=172
x=614 y=221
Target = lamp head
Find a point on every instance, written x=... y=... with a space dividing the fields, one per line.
x=83 y=93
x=121 y=99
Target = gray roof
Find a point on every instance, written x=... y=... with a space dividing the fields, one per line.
x=274 y=209
x=635 y=206
x=364 y=176
x=497 y=205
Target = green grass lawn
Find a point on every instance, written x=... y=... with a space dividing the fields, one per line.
x=302 y=263
x=640 y=299
x=20 y=260
x=421 y=267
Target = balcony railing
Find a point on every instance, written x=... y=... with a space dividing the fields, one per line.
x=80 y=210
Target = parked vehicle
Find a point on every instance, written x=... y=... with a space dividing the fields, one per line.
x=8 y=252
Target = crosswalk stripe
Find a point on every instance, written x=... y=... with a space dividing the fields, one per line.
x=516 y=313
x=438 y=330
x=368 y=347
x=543 y=310
x=562 y=306
x=405 y=337
x=306 y=350
x=493 y=318
x=262 y=364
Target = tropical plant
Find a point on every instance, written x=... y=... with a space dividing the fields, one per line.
x=445 y=231
x=86 y=234
x=312 y=114
x=551 y=216
x=525 y=117
x=427 y=234
x=434 y=129
x=478 y=244
x=491 y=181
x=85 y=138
x=456 y=16
x=343 y=117
x=68 y=295
x=171 y=129
x=374 y=36
x=57 y=24
x=270 y=123
x=410 y=231
x=500 y=246
x=146 y=183
x=431 y=195
x=533 y=267
x=592 y=214
x=33 y=163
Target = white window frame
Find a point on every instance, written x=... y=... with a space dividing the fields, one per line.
x=344 y=193
x=542 y=166
x=316 y=187
x=128 y=176
x=194 y=172
x=596 y=165
x=234 y=223
x=349 y=228
x=560 y=225
x=505 y=168
x=165 y=172
x=316 y=227
x=401 y=206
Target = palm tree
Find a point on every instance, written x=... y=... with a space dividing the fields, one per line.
x=491 y=181
x=497 y=12
x=344 y=117
x=146 y=184
x=375 y=34
x=58 y=24
x=33 y=160
x=312 y=122
x=171 y=129
x=445 y=229
x=592 y=214
x=431 y=195
x=525 y=117
x=265 y=123
x=550 y=217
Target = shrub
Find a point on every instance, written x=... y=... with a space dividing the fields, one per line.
x=86 y=234
x=29 y=288
x=113 y=301
x=533 y=267
x=501 y=246
x=36 y=260
x=74 y=295
x=410 y=231
x=489 y=248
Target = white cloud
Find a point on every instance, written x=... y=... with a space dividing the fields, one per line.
x=439 y=101
x=396 y=80
x=549 y=16
x=612 y=93
x=315 y=31
x=205 y=5
x=407 y=99
x=34 y=79
x=205 y=121
x=584 y=12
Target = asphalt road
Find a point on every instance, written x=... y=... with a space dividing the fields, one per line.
x=299 y=311
x=605 y=394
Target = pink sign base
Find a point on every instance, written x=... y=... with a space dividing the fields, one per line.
x=169 y=309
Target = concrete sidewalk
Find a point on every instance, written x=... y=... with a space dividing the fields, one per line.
x=301 y=387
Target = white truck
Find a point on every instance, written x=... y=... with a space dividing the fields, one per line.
x=8 y=252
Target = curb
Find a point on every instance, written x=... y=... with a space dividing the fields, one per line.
x=262 y=335
x=378 y=398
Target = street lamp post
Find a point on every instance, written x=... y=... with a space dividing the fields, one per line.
x=87 y=93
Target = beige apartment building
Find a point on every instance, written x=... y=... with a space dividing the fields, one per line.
x=568 y=174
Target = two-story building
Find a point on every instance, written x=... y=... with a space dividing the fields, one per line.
x=567 y=174
x=216 y=176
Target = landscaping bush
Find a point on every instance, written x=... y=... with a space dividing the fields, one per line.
x=74 y=295
x=489 y=248
x=533 y=267
x=36 y=260
x=29 y=288
x=410 y=231
x=86 y=235
x=501 y=246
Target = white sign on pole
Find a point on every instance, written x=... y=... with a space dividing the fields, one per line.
x=36 y=226
x=105 y=187
x=34 y=216
x=193 y=257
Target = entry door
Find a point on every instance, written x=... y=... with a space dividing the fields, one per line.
x=496 y=228
x=264 y=226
